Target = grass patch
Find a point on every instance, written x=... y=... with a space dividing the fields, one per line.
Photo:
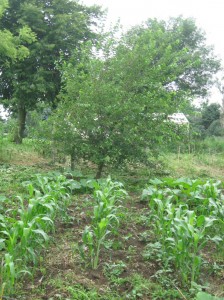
x=196 y=166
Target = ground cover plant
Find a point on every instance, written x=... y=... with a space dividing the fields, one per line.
x=55 y=213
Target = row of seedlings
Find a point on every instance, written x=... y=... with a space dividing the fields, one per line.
x=104 y=221
x=24 y=231
x=186 y=215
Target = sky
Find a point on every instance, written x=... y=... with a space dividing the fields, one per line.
x=209 y=16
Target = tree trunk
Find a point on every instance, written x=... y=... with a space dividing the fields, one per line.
x=72 y=161
x=19 y=134
x=99 y=170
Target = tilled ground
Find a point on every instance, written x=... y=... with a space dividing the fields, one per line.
x=121 y=260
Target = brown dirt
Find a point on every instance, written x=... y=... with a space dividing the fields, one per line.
x=62 y=266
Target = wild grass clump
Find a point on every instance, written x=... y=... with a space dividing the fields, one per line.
x=211 y=145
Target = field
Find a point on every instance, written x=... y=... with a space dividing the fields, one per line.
x=107 y=190
x=156 y=235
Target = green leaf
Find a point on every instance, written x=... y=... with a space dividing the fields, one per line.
x=206 y=296
x=2 y=244
x=200 y=221
x=42 y=233
x=156 y=181
x=2 y=198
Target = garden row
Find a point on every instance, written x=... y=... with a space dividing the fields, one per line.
x=25 y=227
x=26 y=224
x=186 y=216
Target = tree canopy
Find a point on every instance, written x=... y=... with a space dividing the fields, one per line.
x=60 y=26
x=11 y=46
x=210 y=113
x=116 y=101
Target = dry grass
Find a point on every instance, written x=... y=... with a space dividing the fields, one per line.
x=203 y=165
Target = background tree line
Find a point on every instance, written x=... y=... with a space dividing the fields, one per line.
x=97 y=97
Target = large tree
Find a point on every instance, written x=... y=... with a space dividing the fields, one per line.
x=116 y=101
x=60 y=26
x=11 y=47
x=172 y=56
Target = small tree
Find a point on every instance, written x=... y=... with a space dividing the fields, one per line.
x=216 y=128
x=210 y=113
x=115 y=101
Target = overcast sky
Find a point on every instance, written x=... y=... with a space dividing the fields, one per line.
x=209 y=15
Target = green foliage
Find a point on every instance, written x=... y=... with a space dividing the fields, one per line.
x=215 y=129
x=210 y=113
x=211 y=145
x=197 y=129
x=206 y=296
x=3 y=6
x=79 y=292
x=186 y=215
x=178 y=136
x=12 y=45
x=24 y=229
x=1 y=136
x=173 y=53
x=204 y=122
x=142 y=287
x=116 y=99
x=105 y=220
x=114 y=270
x=58 y=28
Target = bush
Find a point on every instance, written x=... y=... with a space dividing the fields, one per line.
x=215 y=129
